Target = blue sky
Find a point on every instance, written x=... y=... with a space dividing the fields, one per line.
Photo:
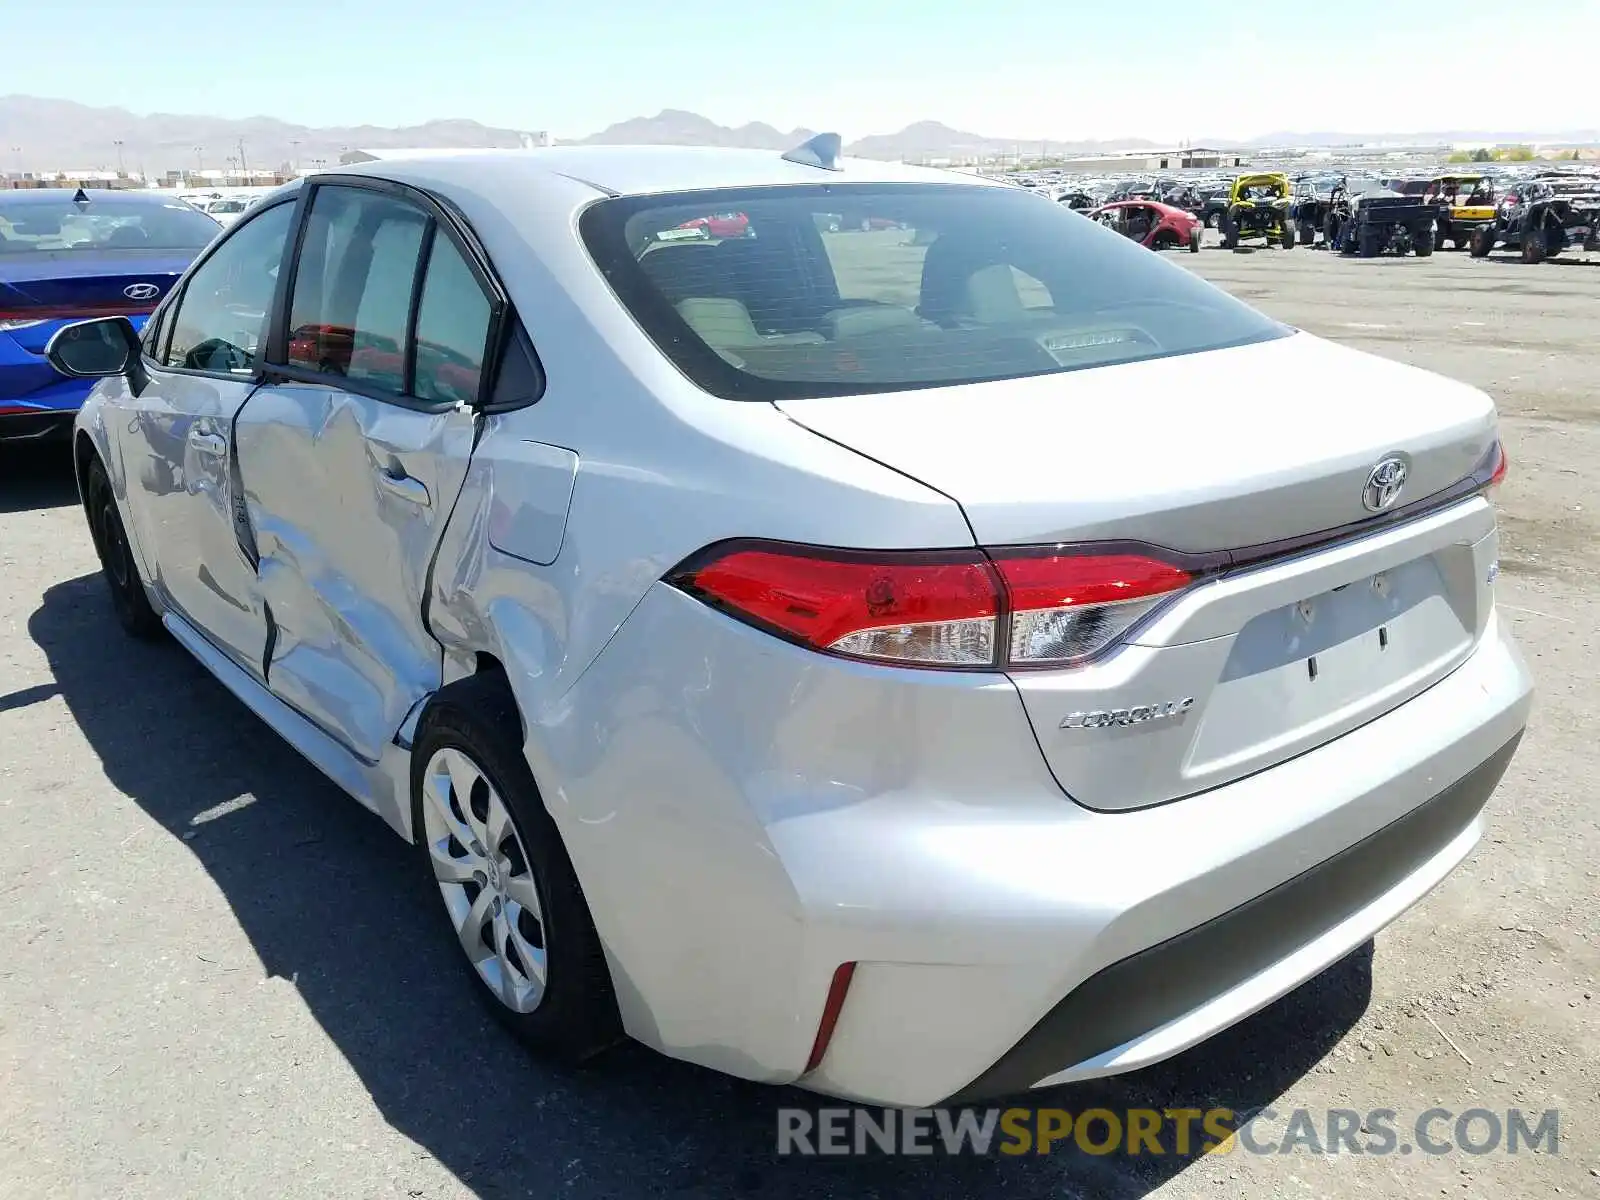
x=1166 y=69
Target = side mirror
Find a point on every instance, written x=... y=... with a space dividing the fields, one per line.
x=96 y=349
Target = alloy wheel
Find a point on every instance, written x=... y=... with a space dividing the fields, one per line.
x=485 y=879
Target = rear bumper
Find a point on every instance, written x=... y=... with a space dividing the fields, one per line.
x=1136 y=1010
x=745 y=816
x=35 y=401
x=23 y=423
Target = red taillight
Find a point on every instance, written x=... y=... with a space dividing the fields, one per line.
x=1067 y=607
x=74 y=312
x=1030 y=607
x=1502 y=464
x=937 y=608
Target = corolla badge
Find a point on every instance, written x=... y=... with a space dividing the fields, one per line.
x=1138 y=714
x=1384 y=484
x=141 y=291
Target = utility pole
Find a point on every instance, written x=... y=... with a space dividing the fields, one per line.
x=199 y=162
x=117 y=142
x=294 y=152
x=243 y=167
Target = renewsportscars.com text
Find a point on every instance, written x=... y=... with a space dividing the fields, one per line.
x=1180 y=1132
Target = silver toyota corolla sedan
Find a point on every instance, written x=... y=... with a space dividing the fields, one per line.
x=831 y=621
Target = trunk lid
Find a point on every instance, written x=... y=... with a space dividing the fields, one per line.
x=54 y=287
x=1197 y=452
x=1203 y=453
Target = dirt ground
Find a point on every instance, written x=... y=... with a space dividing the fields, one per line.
x=212 y=983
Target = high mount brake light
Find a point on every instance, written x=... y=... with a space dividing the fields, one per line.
x=964 y=609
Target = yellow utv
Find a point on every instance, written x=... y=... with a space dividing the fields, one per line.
x=1469 y=201
x=1258 y=210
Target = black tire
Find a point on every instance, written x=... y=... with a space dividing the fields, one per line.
x=577 y=1016
x=1422 y=243
x=1482 y=241
x=1194 y=242
x=1308 y=233
x=135 y=614
x=1331 y=226
x=1286 y=236
x=1369 y=243
x=1230 y=232
x=1533 y=246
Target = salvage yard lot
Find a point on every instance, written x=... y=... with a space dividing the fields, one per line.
x=218 y=976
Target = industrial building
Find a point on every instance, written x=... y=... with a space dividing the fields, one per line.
x=1184 y=158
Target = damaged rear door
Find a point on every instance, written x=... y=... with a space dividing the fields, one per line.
x=353 y=453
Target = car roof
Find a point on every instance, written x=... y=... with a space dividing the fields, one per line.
x=93 y=195
x=642 y=170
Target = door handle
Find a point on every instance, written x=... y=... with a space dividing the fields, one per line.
x=407 y=488
x=208 y=443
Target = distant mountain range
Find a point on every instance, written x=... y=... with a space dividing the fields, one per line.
x=39 y=134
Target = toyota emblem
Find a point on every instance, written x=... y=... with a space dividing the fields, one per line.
x=141 y=291
x=1384 y=484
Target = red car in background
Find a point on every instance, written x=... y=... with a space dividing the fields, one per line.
x=721 y=225
x=1151 y=223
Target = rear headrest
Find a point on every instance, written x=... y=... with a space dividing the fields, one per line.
x=949 y=264
x=679 y=272
x=126 y=237
x=719 y=321
x=769 y=276
x=867 y=319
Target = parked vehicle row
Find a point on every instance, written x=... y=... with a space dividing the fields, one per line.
x=1543 y=218
x=1481 y=210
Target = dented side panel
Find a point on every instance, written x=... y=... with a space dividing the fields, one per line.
x=176 y=445
x=346 y=497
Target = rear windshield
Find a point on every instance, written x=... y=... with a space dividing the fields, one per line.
x=100 y=225
x=779 y=293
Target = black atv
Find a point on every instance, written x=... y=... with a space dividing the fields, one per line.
x=1375 y=223
x=1213 y=205
x=1543 y=218
x=1309 y=211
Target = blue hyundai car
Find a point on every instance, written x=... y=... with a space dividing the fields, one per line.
x=66 y=255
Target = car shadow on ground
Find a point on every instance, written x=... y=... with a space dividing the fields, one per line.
x=36 y=475
x=331 y=899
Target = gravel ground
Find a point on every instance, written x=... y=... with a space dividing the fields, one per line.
x=212 y=981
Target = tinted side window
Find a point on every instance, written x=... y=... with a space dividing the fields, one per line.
x=220 y=321
x=452 y=328
x=352 y=291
